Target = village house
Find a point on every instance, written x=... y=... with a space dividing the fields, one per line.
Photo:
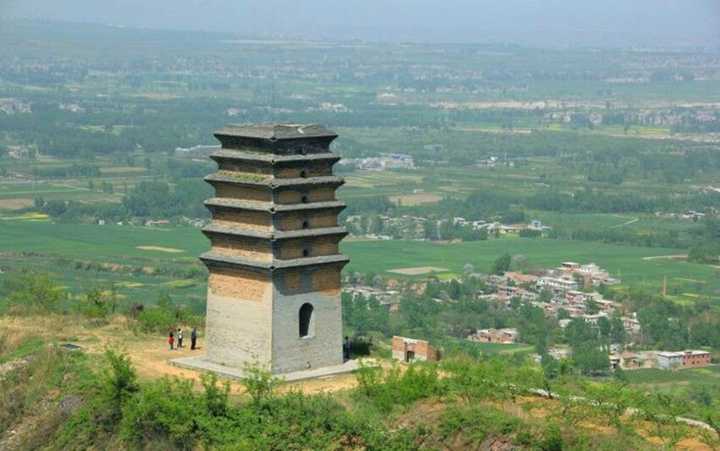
x=561 y=284
x=501 y=336
x=520 y=278
x=682 y=359
x=590 y=273
x=631 y=324
x=410 y=350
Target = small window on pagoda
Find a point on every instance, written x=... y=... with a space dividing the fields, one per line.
x=306 y=224
x=306 y=321
x=303 y=173
x=306 y=252
x=304 y=199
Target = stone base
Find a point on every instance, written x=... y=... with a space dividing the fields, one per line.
x=200 y=363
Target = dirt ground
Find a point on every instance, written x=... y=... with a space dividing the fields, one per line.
x=15 y=204
x=171 y=250
x=417 y=271
x=416 y=199
x=150 y=354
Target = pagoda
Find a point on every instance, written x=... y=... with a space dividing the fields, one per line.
x=274 y=265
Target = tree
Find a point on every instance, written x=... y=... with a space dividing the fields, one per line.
x=119 y=384
x=502 y=264
x=604 y=327
x=259 y=383
x=30 y=291
x=468 y=268
x=617 y=330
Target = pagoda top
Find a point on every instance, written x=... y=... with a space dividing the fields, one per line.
x=275 y=132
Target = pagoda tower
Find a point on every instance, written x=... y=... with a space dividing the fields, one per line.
x=274 y=285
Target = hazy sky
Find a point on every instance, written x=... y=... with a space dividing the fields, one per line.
x=541 y=22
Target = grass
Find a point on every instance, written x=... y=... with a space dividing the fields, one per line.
x=26 y=348
x=667 y=379
x=625 y=262
x=497 y=348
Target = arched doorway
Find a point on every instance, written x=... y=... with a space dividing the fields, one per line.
x=307 y=322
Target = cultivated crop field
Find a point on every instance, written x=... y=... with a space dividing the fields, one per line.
x=671 y=380
x=624 y=262
x=171 y=252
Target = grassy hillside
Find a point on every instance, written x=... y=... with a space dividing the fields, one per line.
x=99 y=399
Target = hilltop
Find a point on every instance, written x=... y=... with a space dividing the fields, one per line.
x=131 y=398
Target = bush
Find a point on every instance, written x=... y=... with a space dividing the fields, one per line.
x=216 y=397
x=386 y=389
x=30 y=293
x=259 y=383
x=156 y=320
x=476 y=423
x=119 y=383
x=164 y=412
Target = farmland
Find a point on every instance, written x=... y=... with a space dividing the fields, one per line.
x=44 y=244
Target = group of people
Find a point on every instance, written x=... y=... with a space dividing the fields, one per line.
x=177 y=337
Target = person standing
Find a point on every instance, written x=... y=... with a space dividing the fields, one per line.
x=346 y=349
x=179 y=337
x=171 y=340
x=193 y=338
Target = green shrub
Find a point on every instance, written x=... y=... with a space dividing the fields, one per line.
x=157 y=320
x=259 y=383
x=215 y=396
x=386 y=389
x=164 y=411
x=119 y=383
x=476 y=423
x=492 y=378
x=32 y=293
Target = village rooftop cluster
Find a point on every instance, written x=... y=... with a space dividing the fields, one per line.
x=564 y=293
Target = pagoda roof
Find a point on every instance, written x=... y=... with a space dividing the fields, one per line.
x=272 y=182
x=276 y=132
x=273 y=235
x=216 y=259
x=270 y=207
x=264 y=157
x=247 y=155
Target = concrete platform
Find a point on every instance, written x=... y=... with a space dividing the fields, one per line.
x=201 y=364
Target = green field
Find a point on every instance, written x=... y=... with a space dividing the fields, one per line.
x=668 y=380
x=625 y=262
x=177 y=248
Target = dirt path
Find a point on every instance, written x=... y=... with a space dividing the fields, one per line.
x=632 y=221
x=667 y=257
x=149 y=354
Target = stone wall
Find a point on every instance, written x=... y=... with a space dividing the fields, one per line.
x=242 y=192
x=315 y=219
x=239 y=318
x=318 y=169
x=250 y=248
x=323 y=347
x=314 y=246
x=295 y=196
x=251 y=220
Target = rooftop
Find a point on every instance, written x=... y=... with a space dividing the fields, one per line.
x=212 y=258
x=274 y=132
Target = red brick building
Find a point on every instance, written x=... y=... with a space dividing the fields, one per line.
x=409 y=350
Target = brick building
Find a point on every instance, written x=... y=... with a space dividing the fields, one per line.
x=683 y=359
x=409 y=350
x=502 y=336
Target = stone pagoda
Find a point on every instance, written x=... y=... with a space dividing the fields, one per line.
x=274 y=286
